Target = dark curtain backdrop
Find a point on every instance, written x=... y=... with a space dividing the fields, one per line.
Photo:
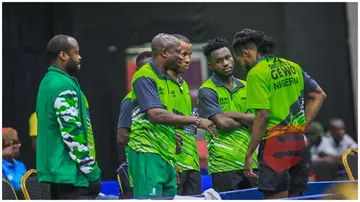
x=312 y=34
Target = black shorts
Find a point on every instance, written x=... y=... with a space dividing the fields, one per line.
x=232 y=180
x=190 y=183
x=283 y=165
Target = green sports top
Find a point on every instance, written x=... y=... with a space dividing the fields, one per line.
x=227 y=151
x=188 y=159
x=150 y=90
x=278 y=85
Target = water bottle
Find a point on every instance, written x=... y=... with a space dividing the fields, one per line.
x=191 y=129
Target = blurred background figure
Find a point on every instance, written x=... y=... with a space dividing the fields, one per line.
x=326 y=160
x=12 y=169
x=313 y=136
x=335 y=143
x=33 y=129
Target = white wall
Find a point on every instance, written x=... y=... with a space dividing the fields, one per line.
x=352 y=16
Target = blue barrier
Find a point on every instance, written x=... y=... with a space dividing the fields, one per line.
x=315 y=190
x=110 y=187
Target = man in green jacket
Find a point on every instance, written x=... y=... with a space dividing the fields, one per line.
x=65 y=149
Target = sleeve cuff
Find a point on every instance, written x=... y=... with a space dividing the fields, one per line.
x=94 y=175
x=212 y=114
x=143 y=109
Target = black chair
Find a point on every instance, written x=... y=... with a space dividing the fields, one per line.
x=8 y=192
x=32 y=188
x=126 y=192
x=350 y=161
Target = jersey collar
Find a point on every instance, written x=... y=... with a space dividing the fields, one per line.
x=172 y=78
x=156 y=70
x=263 y=57
x=217 y=81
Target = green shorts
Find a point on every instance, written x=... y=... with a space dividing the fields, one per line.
x=152 y=177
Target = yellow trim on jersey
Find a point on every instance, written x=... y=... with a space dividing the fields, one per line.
x=33 y=125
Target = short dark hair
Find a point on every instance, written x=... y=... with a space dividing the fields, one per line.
x=142 y=56
x=265 y=45
x=215 y=44
x=182 y=38
x=57 y=44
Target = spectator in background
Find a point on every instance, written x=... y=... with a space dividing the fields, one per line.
x=12 y=169
x=313 y=136
x=335 y=143
x=327 y=161
x=33 y=129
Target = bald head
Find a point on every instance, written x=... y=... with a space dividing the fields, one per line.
x=59 y=43
x=163 y=41
x=334 y=122
x=337 y=127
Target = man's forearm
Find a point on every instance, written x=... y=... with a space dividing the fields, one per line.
x=228 y=125
x=73 y=134
x=247 y=119
x=258 y=130
x=314 y=104
x=123 y=135
x=162 y=116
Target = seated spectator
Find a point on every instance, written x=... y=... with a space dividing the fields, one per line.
x=327 y=161
x=313 y=136
x=335 y=143
x=12 y=170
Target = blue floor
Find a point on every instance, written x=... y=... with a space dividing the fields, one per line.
x=315 y=189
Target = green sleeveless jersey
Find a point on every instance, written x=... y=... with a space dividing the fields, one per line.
x=227 y=151
x=188 y=159
x=148 y=137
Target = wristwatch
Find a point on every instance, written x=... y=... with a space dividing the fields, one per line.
x=197 y=122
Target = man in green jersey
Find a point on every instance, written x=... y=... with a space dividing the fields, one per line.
x=65 y=152
x=188 y=159
x=124 y=122
x=124 y=125
x=222 y=99
x=152 y=142
x=275 y=92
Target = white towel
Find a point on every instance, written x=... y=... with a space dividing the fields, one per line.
x=211 y=194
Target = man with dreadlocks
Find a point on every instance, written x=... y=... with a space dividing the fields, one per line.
x=222 y=99
x=276 y=88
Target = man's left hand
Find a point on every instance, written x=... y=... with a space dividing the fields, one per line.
x=248 y=170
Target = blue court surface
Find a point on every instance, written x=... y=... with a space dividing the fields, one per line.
x=315 y=190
